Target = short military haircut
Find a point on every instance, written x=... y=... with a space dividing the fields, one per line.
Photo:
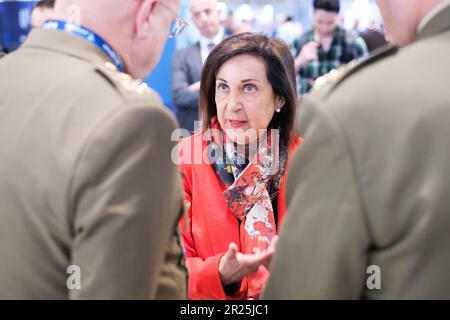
x=327 y=5
x=45 y=4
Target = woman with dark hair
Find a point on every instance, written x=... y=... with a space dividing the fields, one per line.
x=233 y=170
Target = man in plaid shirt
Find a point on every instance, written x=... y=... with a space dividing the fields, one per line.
x=326 y=47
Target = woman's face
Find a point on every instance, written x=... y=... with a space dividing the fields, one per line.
x=244 y=98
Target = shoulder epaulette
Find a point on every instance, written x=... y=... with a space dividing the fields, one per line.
x=128 y=87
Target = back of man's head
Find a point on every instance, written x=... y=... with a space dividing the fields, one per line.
x=327 y=5
x=137 y=30
x=402 y=17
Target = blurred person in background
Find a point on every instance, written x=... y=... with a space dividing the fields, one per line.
x=244 y=26
x=188 y=62
x=355 y=32
x=289 y=30
x=326 y=47
x=368 y=195
x=244 y=19
x=42 y=11
x=236 y=198
x=374 y=37
x=90 y=195
x=228 y=24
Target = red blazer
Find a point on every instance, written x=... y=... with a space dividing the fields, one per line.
x=209 y=227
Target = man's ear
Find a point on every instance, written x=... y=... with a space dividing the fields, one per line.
x=146 y=8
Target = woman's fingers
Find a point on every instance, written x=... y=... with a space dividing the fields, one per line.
x=232 y=251
x=265 y=261
x=273 y=243
x=251 y=262
x=236 y=265
x=229 y=265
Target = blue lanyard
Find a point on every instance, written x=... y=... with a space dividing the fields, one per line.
x=87 y=35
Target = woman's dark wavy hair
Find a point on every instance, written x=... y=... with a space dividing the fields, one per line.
x=280 y=73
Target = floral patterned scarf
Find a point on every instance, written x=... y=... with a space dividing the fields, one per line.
x=251 y=188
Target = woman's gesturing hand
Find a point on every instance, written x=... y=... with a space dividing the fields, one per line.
x=235 y=265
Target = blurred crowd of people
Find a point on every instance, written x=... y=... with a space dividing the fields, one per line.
x=325 y=47
x=301 y=158
x=317 y=51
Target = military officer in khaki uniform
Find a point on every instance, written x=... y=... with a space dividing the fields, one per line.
x=368 y=192
x=89 y=195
